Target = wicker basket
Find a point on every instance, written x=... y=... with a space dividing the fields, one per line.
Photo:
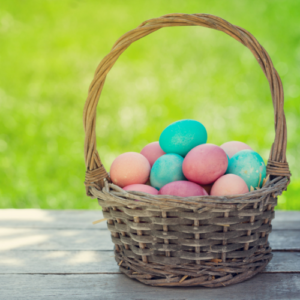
x=196 y=241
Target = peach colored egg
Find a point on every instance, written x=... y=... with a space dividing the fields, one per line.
x=229 y=184
x=141 y=188
x=152 y=152
x=233 y=147
x=205 y=164
x=182 y=189
x=130 y=168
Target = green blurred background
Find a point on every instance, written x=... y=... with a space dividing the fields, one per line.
x=49 y=51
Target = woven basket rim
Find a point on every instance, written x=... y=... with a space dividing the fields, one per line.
x=134 y=199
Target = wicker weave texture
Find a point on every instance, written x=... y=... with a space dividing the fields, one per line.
x=173 y=241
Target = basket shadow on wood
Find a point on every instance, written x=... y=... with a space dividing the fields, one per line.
x=196 y=241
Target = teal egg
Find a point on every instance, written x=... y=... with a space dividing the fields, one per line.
x=166 y=169
x=249 y=165
x=182 y=136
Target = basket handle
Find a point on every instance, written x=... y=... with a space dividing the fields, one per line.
x=95 y=171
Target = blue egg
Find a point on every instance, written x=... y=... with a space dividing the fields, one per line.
x=182 y=136
x=249 y=165
x=166 y=169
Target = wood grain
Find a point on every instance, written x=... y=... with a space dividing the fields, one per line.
x=116 y=286
x=101 y=262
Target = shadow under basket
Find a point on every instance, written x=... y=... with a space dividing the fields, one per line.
x=196 y=241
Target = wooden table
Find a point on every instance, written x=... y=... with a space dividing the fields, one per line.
x=60 y=255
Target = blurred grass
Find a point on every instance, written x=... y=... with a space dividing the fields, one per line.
x=50 y=50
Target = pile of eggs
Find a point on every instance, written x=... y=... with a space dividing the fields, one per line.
x=183 y=164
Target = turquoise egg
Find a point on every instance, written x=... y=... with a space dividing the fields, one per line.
x=249 y=165
x=182 y=136
x=166 y=169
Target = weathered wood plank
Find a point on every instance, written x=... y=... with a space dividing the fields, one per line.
x=51 y=239
x=286 y=220
x=65 y=239
x=82 y=219
x=284 y=262
x=70 y=262
x=117 y=286
x=52 y=219
x=15 y=262
x=285 y=240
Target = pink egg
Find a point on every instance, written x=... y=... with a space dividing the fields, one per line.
x=233 y=147
x=182 y=189
x=229 y=184
x=152 y=152
x=141 y=188
x=205 y=163
x=130 y=168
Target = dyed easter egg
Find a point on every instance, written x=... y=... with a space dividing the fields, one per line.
x=205 y=164
x=250 y=166
x=129 y=168
x=233 y=147
x=229 y=184
x=182 y=189
x=166 y=169
x=152 y=152
x=141 y=188
x=182 y=136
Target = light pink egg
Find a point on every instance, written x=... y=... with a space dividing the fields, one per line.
x=141 y=188
x=152 y=152
x=204 y=164
x=182 y=189
x=229 y=184
x=233 y=147
x=130 y=168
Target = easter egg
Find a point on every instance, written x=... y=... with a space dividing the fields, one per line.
x=182 y=136
x=129 y=168
x=233 y=147
x=182 y=189
x=229 y=184
x=166 y=169
x=152 y=152
x=205 y=164
x=250 y=166
x=141 y=188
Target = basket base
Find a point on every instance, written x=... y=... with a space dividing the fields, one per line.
x=207 y=273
